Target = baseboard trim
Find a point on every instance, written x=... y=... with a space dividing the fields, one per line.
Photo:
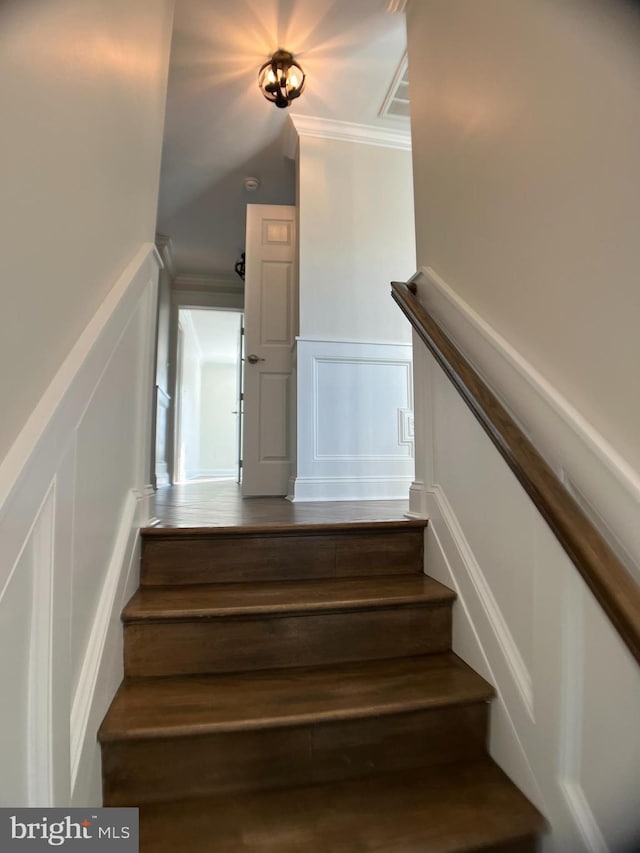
x=349 y=489
x=417 y=500
x=584 y=818
x=107 y=618
x=475 y=641
x=520 y=675
x=212 y=473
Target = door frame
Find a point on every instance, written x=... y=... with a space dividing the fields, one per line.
x=194 y=292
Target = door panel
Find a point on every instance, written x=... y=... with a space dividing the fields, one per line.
x=270 y=324
x=276 y=303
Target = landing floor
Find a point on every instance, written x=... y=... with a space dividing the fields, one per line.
x=220 y=504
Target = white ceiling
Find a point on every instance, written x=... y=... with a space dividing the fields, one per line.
x=219 y=129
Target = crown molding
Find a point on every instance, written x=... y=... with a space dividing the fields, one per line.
x=164 y=245
x=344 y=131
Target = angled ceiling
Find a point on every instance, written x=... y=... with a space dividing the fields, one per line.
x=219 y=129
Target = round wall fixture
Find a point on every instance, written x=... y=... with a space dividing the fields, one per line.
x=251 y=184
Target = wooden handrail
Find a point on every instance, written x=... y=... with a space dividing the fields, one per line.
x=606 y=576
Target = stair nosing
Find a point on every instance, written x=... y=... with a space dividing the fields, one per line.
x=282 y=610
x=309 y=718
x=280 y=529
x=306 y=598
x=479 y=692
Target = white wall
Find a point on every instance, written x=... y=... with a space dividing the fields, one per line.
x=526 y=132
x=82 y=91
x=218 y=424
x=69 y=523
x=189 y=399
x=163 y=356
x=355 y=421
x=356 y=234
x=82 y=88
x=526 y=127
x=565 y=723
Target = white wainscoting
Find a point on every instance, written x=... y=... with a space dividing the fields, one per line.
x=603 y=482
x=73 y=495
x=565 y=723
x=355 y=421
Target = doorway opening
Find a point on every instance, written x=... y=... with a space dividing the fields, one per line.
x=208 y=424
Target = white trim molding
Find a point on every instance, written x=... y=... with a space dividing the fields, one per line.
x=449 y=559
x=164 y=245
x=524 y=618
x=41 y=737
x=349 y=488
x=106 y=622
x=354 y=407
x=476 y=584
x=73 y=494
x=344 y=131
x=571 y=445
x=145 y=262
x=417 y=500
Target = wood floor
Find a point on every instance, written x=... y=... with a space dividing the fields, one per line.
x=219 y=504
x=290 y=688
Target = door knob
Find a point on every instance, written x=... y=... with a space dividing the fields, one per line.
x=254 y=359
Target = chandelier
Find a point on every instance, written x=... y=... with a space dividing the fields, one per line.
x=281 y=79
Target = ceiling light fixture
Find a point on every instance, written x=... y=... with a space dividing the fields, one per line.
x=281 y=79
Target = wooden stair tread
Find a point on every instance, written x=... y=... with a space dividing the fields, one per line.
x=273 y=597
x=156 y=707
x=280 y=528
x=466 y=807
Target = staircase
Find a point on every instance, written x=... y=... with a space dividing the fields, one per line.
x=292 y=690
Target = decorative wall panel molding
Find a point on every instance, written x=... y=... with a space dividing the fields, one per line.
x=570 y=444
x=477 y=583
x=527 y=622
x=73 y=494
x=355 y=404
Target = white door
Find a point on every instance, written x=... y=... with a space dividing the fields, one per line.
x=270 y=328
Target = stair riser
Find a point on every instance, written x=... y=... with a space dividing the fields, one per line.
x=235 y=645
x=232 y=558
x=526 y=845
x=173 y=768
